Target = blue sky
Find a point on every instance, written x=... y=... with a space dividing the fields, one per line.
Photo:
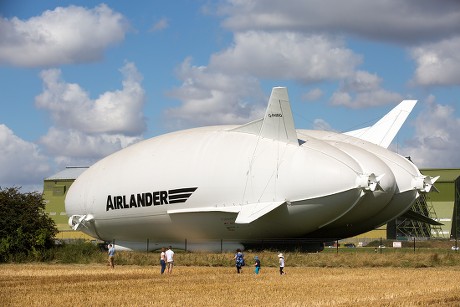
x=82 y=79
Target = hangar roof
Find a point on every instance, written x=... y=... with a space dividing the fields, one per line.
x=446 y=174
x=70 y=172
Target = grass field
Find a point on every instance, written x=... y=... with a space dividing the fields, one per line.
x=130 y=285
x=347 y=258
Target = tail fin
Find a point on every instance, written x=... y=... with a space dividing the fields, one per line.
x=384 y=131
x=278 y=123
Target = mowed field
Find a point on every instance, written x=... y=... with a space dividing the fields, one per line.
x=130 y=285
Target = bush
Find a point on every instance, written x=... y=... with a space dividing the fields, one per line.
x=25 y=229
x=78 y=251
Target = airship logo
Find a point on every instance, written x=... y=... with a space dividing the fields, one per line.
x=149 y=198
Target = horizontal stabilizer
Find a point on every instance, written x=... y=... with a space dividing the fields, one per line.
x=421 y=218
x=252 y=127
x=278 y=123
x=229 y=209
x=246 y=213
x=384 y=131
x=252 y=212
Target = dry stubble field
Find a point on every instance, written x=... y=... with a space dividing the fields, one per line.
x=96 y=285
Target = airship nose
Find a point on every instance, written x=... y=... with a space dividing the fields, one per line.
x=74 y=202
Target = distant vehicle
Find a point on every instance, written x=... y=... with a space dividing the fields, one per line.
x=239 y=184
x=455 y=248
x=331 y=244
x=349 y=245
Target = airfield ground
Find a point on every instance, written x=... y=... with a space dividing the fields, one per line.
x=131 y=285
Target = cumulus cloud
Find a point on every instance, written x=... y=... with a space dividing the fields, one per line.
x=73 y=147
x=287 y=55
x=226 y=91
x=112 y=112
x=321 y=124
x=305 y=41
x=429 y=30
x=86 y=128
x=62 y=36
x=313 y=94
x=437 y=63
x=406 y=22
x=211 y=97
x=363 y=89
x=436 y=141
x=21 y=163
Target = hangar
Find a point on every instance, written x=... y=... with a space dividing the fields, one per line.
x=440 y=206
x=55 y=189
x=445 y=203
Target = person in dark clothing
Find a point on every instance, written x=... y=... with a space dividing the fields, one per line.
x=256 y=265
x=239 y=260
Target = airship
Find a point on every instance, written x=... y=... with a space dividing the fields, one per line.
x=240 y=184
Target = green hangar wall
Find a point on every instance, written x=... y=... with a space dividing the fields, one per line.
x=55 y=189
x=446 y=202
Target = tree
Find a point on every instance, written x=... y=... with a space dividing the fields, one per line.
x=25 y=228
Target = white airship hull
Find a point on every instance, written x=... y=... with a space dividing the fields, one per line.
x=221 y=181
x=240 y=183
x=288 y=220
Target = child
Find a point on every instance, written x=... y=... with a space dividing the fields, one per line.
x=281 y=257
x=257 y=265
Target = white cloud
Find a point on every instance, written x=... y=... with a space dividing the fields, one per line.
x=160 y=25
x=438 y=63
x=304 y=41
x=226 y=91
x=112 y=112
x=404 y=22
x=21 y=162
x=65 y=35
x=90 y=129
x=363 y=89
x=436 y=142
x=321 y=124
x=286 y=55
x=209 y=97
x=429 y=29
x=313 y=94
x=75 y=147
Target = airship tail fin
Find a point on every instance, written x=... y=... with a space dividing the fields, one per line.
x=278 y=123
x=384 y=131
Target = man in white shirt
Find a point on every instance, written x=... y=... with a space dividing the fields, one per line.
x=111 y=253
x=281 y=257
x=169 y=259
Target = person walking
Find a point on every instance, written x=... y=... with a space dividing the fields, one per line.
x=239 y=261
x=163 y=260
x=169 y=259
x=281 y=258
x=256 y=265
x=111 y=253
